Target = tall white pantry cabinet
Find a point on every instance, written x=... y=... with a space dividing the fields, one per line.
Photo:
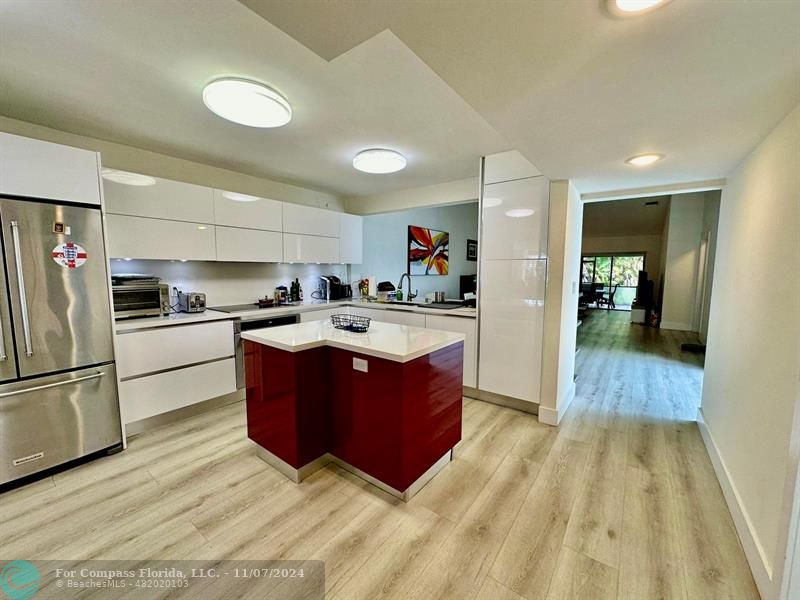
x=513 y=275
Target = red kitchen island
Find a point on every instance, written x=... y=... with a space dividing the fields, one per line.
x=385 y=404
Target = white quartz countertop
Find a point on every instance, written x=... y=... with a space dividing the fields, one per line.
x=213 y=315
x=399 y=343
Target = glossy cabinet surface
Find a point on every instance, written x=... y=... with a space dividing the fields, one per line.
x=310 y=220
x=515 y=219
x=323 y=315
x=167 y=199
x=398 y=317
x=507 y=166
x=259 y=213
x=37 y=169
x=310 y=249
x=139 y=237
x=511 y=326
x=351 y=239
x=468 y=327
x=236 y=244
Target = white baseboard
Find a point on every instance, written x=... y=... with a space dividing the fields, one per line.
x=675 y=326
x=754 y=552
x=552 y=416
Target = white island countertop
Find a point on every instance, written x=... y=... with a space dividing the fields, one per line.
x=399 y=343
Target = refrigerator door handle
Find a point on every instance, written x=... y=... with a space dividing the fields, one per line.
x=3 y=355
x=23 y=300
x=52 y=385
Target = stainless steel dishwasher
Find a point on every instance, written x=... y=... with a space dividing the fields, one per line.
x=247 y=324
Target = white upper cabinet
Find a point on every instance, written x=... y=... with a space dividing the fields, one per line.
x=310 y=220
x=37 y=169
x=165 y=199
x=351 y=239
x=236 y=244
x=159 y=239
x=239 y=210
x=310 y=249
x=515 y=219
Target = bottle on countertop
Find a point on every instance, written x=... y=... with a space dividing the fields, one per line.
x=299 y=290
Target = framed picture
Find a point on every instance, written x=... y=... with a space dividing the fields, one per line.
x=472 y=250
x=428 y=251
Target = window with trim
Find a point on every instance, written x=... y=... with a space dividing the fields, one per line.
x=608 y=270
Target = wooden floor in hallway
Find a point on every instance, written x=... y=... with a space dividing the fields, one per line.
x=620 y=502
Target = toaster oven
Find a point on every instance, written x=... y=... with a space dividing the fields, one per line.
x=133 y=301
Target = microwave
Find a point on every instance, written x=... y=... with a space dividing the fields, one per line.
x=133 y=301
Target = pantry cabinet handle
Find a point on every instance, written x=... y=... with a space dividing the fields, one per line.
x=23 y=300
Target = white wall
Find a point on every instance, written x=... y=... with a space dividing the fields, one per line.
x=386 y=245
x=561 y=302
x=681 y=271
x=750 y=388
x=451 y=192
x=128 y=158
x=230 y=283
x=650 y=244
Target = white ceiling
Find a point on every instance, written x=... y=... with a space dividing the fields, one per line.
x=625 y=217
x=577 y=91
x=133 y=72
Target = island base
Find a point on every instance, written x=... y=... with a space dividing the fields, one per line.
x=298 y=475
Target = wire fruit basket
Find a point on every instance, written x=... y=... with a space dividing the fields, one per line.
x=351 y=323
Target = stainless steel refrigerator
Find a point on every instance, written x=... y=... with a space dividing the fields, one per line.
x=58 y=391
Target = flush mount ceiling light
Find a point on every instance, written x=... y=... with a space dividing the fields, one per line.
x=127 y=178
x=237 y=197
x=518 y=213
x=632 y=8
x=643 y=160
x=247 y=102
x=379 y=160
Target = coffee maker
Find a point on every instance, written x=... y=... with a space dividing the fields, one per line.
x=332 y=288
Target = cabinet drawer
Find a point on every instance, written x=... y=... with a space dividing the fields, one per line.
x=248 y=245
x=310 y=249
x=158 y=239
x=166 y=199
x=152 y=350
x=310 y=220
x=148 y=396
x=256 y=213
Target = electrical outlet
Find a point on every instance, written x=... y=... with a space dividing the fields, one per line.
x=359 y=364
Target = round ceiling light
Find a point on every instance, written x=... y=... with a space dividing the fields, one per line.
x=379 y=160
x=237 y=197
x=247 y=102
x=127 y=178
x=518 y=213
x=630 y=8
x=643 y=160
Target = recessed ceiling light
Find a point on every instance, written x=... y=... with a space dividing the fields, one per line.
x=237 y=197
x=127 y=178
x=642 y=160
x=247 y=102
x=379 y=160
x=630 y=8
x=490 y=202
x=517 y=213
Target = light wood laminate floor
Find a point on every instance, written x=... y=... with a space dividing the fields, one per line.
x=620 y=502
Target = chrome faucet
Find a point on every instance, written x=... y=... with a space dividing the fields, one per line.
x=400 y=286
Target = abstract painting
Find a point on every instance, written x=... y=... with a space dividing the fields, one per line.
x=427 y=251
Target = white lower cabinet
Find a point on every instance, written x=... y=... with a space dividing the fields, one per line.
x=159 y=239
x=468 y=327
x=398 y=317
x=235 y=244
x=165 y=368
x=156 y=394
x=310 y=248
x=323 y=315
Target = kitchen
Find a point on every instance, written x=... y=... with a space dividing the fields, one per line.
x=277 y=294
